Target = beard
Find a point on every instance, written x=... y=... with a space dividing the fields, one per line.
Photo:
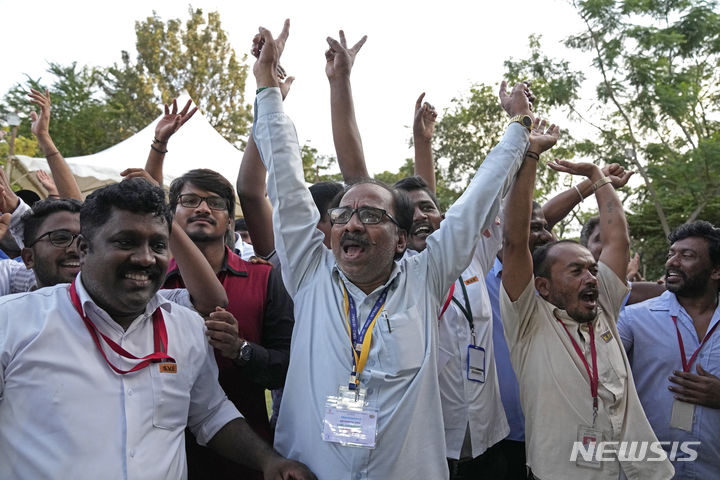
x=689 y=287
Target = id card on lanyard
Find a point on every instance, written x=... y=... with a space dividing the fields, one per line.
x=588 y=434
x=475 y=365
x=683 y=413
x=348 y=420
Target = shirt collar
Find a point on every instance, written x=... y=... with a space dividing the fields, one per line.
x=355 y=291
x=90 y=307
x=497 y=268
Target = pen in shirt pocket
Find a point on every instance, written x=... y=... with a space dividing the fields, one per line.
x=387 y=320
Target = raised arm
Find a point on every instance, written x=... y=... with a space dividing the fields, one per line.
x=517 y=260
x=66 y=184
x=339 y=60
x=562 y=204
x=48 y=184
x=165 y=128
x=251 y=188
x=613 y=227
x=423 y=131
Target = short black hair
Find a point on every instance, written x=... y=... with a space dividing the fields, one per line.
x=541 y=266
x=702 y=229
x=323 y=194
x=588 y=229
x=409 y=184
x=42 y=209
x=204 y=179
x=240 y=224
x=135 y=195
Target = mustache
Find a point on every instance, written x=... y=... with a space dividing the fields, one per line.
x=355 y=238
x=206 y=218
x=589 y=291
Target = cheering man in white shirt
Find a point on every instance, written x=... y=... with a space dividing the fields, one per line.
x=362 y=398
x=98 y=379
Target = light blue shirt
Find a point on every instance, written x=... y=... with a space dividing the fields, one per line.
x=509 y=388
x=650 y=339
x=401 y=374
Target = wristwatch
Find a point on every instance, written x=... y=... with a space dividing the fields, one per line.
x=245 y=353
x=524 y=120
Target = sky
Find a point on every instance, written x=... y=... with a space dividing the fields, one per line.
x=437 y=47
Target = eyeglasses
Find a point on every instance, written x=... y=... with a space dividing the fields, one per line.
x=58 y=238
x=190 y=200
x=367 y=215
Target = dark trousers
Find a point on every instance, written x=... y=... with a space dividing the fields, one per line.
x=503 y=461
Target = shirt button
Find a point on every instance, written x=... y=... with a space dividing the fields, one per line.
x=130 y=392
x=358 y=476
x=132 y=453
x=370 y=391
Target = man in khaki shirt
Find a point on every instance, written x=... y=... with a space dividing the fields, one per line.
x=575 y=382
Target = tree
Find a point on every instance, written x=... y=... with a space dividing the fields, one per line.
x=196 y=59
x=314 y=164
x=659 y=104
x=79 y=124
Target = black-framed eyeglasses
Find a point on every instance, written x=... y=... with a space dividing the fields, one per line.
x=58 y=238
x=367 y=215
x=190 y=200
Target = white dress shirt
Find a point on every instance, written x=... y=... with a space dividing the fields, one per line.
x=469 y=404
x=65 y=414
x=401 y=372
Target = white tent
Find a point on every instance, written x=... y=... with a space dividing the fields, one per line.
x=195 y=145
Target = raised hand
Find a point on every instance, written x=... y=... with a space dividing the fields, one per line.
x=585 y=169
x=268 y=51
x=542 y=136
x=139 y=173
x=8 y=200
x=424 y=121
x=40 y=125
x=517 y=102
x=47 y=182
x=617 y=174
x=172 y=120
x=339 y=59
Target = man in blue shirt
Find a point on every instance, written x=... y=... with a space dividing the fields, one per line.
x=674 y=352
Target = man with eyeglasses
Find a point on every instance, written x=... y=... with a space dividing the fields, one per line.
x=49 y=232
x=251 y=336
x=362 y=395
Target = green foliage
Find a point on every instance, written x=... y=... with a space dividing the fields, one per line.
x=659 y=95
x=79 y=119
x=316 y=167
x=195 y=58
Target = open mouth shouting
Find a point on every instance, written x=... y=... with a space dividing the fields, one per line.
x=353 y=246
x=588 y=297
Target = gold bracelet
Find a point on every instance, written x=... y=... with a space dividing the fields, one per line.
x=600 y=183
x=579 y=193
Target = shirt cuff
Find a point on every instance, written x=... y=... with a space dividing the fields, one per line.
x=268 y=101
x=226 y=413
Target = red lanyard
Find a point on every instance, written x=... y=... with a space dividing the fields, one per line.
x=687 y=363
x=447 y=302
x=594 y=374
x=159 y=336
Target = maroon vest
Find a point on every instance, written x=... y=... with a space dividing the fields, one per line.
x=246 y=287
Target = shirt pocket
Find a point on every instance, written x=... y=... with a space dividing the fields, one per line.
x=404 y=337
x=171 y=397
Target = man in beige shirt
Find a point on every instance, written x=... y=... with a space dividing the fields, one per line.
x=583 y=416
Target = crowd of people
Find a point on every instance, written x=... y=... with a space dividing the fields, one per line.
x=139 y=334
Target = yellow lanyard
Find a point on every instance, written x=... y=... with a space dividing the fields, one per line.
x=362 y=336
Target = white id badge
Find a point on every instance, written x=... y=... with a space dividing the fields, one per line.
x=476 y=364
x=682 y=415
x=348 y=420
x=588 y=436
